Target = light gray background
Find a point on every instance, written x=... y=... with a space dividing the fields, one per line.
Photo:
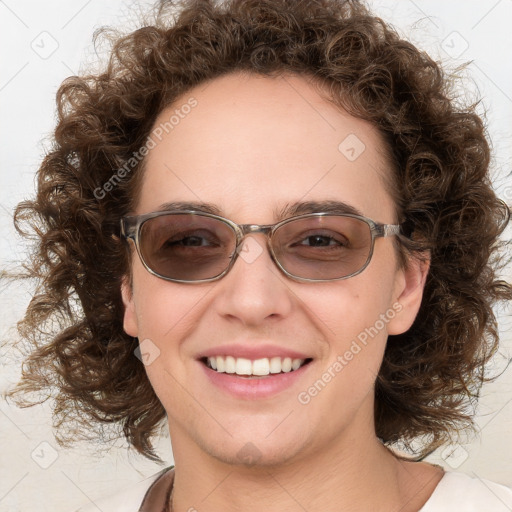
x=43 y=43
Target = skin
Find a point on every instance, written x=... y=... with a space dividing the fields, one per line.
x=251 y=145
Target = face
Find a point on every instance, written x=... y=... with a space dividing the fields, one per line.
x=251 y=146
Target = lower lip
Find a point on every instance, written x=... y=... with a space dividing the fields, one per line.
x=254 y=388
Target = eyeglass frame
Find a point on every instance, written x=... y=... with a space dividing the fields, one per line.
x=131 y=227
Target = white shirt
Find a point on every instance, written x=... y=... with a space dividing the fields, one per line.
x=454 y=492
x=463 y=493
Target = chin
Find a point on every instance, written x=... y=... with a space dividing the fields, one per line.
x=252 y=450
x=251 y=455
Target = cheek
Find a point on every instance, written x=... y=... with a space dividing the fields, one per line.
x=353 y=318
x=167 y=316
x=347 y=310
x=162 y=307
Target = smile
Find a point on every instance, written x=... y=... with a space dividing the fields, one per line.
x=254 y=368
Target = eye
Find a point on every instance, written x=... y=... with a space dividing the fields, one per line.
x=185 y=239
x=320 y=241
x=329 y=240
x=189 y=241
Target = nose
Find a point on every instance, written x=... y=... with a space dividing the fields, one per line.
x=254 y=290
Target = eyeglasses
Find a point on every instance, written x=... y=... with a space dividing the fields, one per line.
x=190 y=246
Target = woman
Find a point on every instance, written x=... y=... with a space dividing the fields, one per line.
x=266 y=224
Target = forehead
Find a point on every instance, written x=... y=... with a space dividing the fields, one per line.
x=251 y=144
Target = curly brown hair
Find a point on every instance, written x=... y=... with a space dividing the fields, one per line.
x=430 y=375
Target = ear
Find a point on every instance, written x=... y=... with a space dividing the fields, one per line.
x=409 y=286
x=130 y=324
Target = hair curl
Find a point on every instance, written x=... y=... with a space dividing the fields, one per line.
x=441 y=186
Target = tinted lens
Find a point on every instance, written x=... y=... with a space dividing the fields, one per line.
x=323 y=247
x=186 y=247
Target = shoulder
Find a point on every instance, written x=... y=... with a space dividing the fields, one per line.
x=458 y=491
x=126 y=500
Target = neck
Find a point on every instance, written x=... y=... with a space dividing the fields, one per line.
x=348 y=475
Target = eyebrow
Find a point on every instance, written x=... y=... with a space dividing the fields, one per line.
x=190 y=205
x=286 y=211
x=304 y=207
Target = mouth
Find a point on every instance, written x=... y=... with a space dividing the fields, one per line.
x=254 y=369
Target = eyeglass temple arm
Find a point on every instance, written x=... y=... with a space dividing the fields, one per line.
x=388 y=229
x=127 y=227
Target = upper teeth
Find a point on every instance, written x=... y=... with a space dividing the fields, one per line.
x=242 y=366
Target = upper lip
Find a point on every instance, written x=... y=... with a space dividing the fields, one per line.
x=253 y=352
